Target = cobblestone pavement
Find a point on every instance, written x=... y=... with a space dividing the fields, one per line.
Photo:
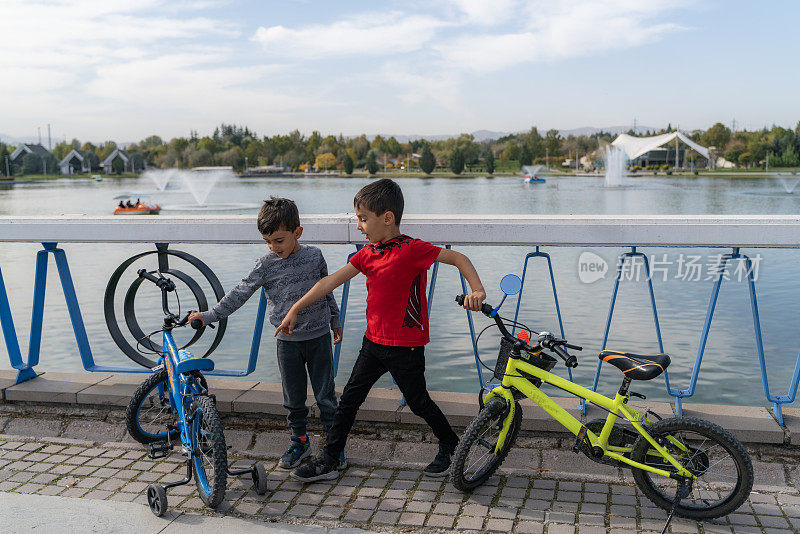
x=541 y=489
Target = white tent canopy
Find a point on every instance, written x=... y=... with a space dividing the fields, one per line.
x=636 y=146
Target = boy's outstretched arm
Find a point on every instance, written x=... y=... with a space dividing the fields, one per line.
x=320 y=289
x=474 y=300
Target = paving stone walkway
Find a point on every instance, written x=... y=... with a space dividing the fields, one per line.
x=542 y=488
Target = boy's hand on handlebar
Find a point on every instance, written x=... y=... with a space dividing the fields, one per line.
x=287 y=325
x=474 y=300
x=196 y=316
x=337 y=336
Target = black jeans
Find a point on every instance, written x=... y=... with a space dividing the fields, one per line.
x=407 y=367
x=313 y=356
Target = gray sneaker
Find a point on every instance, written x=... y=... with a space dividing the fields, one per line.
x=295 y=454
x=319 y=468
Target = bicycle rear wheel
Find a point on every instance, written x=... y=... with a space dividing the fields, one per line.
x=475 y=459
x=210 y=457
x=149 y=411
x=719 y=461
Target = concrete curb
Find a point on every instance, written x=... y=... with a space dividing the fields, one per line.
x=750 y=424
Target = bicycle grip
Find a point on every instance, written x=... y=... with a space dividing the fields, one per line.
x=197 y=324
x=485 y=308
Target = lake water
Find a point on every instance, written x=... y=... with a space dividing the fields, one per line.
x=730 y=372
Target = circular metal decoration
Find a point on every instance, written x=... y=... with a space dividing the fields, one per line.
x=130 y=297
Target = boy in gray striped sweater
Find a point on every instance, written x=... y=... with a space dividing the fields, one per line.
x=286 y=274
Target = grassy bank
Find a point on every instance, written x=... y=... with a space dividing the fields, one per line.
x=25 y=177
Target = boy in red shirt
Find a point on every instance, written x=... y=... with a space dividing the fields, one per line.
x=397 y=323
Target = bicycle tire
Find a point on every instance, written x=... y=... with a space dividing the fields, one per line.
x=696 y=505
x=490 y=417
x=140 y=425
x=210 y=452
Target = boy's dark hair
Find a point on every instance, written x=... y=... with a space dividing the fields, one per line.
x=278 y=214
x=381 y=196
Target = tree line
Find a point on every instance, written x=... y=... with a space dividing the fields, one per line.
x=239 y=147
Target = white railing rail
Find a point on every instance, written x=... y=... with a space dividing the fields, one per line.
x=559 y=230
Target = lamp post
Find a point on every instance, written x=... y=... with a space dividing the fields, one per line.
x=245 y=164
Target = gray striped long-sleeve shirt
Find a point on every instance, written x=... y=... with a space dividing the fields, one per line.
x=285 y=282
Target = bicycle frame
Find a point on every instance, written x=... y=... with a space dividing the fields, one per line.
x=616 y=408
x=179 y=387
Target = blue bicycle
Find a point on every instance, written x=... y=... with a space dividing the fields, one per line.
x=174 y=405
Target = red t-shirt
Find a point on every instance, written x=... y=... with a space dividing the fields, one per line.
x=397 y=307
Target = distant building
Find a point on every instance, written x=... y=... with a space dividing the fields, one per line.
x=108 y=163
x=664 y=149
x=130 y=162
x=23 y=150
x=263 y=170
x=77 y=161
x=213 y=168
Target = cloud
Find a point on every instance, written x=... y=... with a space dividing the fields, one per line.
x=487 y=12
x=369 y=34
x=561 y=30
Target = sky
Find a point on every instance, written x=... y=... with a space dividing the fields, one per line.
x=126 y=69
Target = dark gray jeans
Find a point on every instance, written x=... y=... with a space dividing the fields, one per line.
x=294 y=358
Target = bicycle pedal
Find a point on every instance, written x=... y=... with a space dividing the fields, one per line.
x=579 y=440
x=160 y=449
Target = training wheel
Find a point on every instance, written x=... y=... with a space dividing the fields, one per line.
x=259 y=478
x=157 y=499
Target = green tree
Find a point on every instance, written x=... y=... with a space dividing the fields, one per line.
x=234 y=157
x=348 y=164
x=379 y=144
x=488 y=160
x=325 y=161
x=790 y=158
x=457 y=161
x=511 y=152
x=61 y=150
x=3 y=155
x=372 y=162
x=392 y=146
x=733 y=153
x=118 y=166
x=746 y=158
x=426 y=160
x=360 y=147
x=31 y=164
x=525 y=156
x=552 y=143
x=92 y=161
x=206 y=143
x=717 y=136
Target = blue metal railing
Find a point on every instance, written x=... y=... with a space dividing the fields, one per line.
x=26 y=370
x=632 y=255
x=777 y=400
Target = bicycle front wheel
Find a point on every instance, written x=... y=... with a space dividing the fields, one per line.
x=719 y=461
x=210 y=457
x=149 y=411
x=475 y=458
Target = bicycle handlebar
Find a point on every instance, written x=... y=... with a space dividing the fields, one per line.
x=545 y=339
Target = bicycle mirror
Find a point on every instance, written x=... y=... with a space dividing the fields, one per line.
x=510 y=284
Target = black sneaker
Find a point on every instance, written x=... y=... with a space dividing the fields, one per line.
x=319 y=468
x=440 y=465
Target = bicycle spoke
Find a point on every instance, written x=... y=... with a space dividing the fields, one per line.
x=489 y=442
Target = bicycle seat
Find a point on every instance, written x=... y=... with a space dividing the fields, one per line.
x=636 y=366
x=189 y=362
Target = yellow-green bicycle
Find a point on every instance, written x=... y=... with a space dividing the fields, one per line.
x=685 y=465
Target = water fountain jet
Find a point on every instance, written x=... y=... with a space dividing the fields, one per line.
x=616 y=170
